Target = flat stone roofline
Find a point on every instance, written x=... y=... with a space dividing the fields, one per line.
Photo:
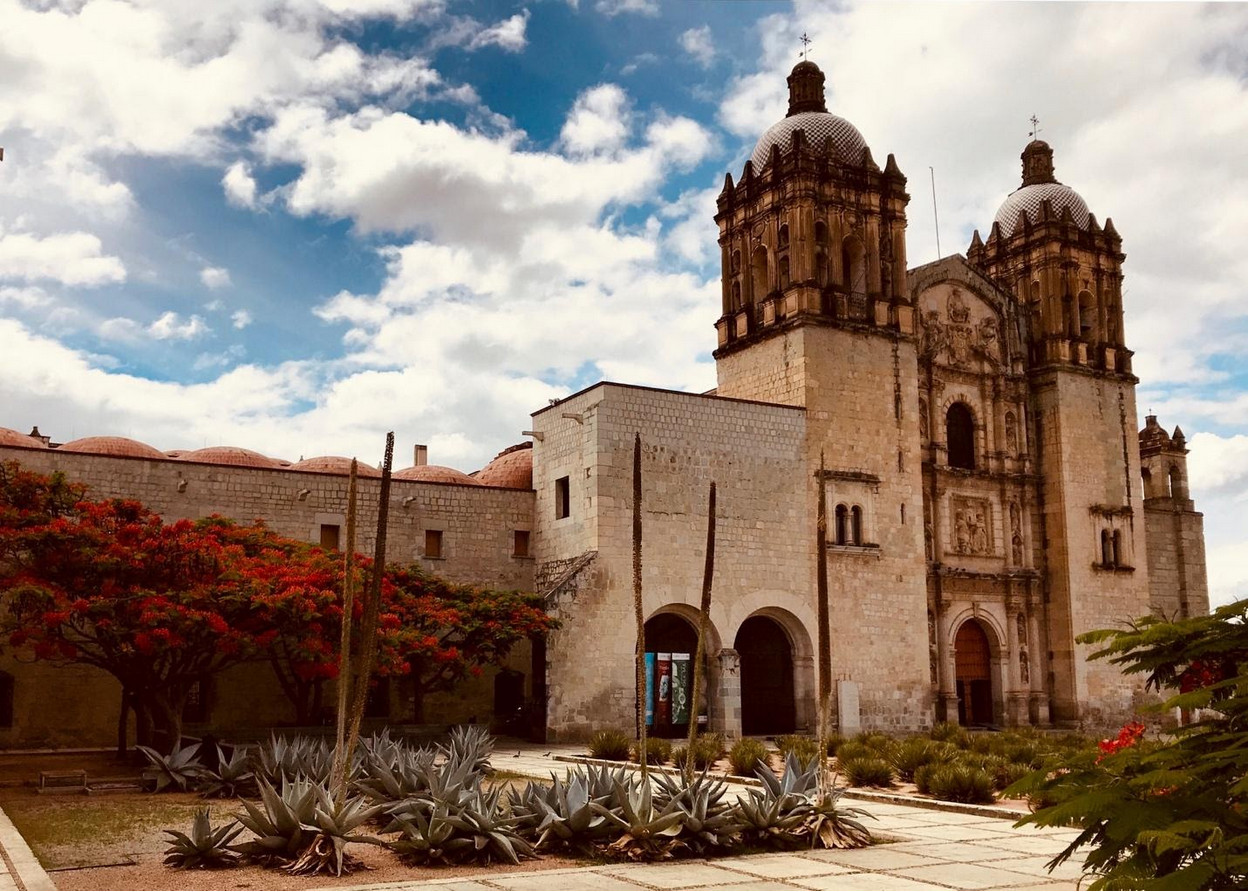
x=179 y=462
x=684 y=393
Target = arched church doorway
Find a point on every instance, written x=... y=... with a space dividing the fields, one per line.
x=671 y=642
x=766 y=655
x=973 y=672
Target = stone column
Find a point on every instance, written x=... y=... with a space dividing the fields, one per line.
x=1039 y=706
x=725 y=703
x=948 y=685
x=1016 y=699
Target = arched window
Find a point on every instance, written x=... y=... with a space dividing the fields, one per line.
x=960 y=436
x=784 y=272
x=1147 y=476
x=842 y=525
x=821 y=268
x=784 y=236
x=758 y=274
x=1087 y=316
x=853 y=265
x=1176 y=483
x=1107 y=549
x=855 y=525
x=821 y=233
x=1116 y=547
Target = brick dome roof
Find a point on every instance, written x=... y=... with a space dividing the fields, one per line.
x=230 y=455
x=113 y=446
x=334 y=464
x=1029 y=198
x=9 y=437
x=436 y=474
x=513 y=468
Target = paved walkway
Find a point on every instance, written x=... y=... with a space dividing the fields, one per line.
x=920 y=848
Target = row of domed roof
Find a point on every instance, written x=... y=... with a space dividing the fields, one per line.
x=512 y=468
x=808 y=112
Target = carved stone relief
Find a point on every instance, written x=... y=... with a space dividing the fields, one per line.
x=958 y=336
x=972 y=526
x=1011 y=434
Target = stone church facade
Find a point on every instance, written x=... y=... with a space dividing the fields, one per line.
x=970 y=422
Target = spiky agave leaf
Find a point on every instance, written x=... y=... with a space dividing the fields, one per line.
x=708 y=820
x=835 y=826
x=283 y=822
x=205 y=846
x=336 y=823
x=181 y=769
x=424 y=835
x=232 y=775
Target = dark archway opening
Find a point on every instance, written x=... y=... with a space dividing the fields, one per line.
x=960 y=436
x=671 y=642
x=767 y=705
x=973 y=671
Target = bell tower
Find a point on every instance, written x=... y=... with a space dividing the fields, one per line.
x=1065 y=273
x=816 y=313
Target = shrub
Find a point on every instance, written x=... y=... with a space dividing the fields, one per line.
x=805 y=748
x=205 y=846
x=1004 y=772
x=867 y=771
x=658 y=751
x=707 y=748
x=960 y=782
x=610 y=744
x=834 y=742
x=853 y=749
x=923 y=777
x=913 y=754
x=950 y=732
x=745 y=755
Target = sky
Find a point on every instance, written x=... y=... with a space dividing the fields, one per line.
x=294 y=225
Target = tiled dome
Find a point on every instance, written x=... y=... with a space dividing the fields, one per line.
x=230 y=455
x=9 y=437
x=436 y=474
x=1029 y=198
x=819 y=126
x=334 y=464
x=512 y=468
x=113 y=446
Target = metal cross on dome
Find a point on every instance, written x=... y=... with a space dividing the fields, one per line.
x=1035 y=126
x=805 y=45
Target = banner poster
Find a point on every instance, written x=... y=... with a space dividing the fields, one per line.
x=681 y=692
x=663 y=709
x=650 y=662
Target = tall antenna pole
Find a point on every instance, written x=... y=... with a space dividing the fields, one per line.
x=935 y=215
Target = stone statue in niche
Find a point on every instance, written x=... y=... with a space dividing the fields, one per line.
x=923 y=419
x=931 y=629
x=960 y=335
x=931 y=663
x=1011 y=434
x=971 y=525
x=931 y=334
x=927 y=537
x=1024 y=670
x=987 y=343
x=1022 y=629
x=1016 y=534
x=1017 y=550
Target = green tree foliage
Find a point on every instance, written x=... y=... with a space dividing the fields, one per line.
x=1168 y=813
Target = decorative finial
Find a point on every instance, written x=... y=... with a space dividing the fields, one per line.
x=805 y=45
x=1035 y=127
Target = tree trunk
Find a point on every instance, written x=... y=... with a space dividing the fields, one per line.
x=123 y=721
x=704 y=615
x=825 y=635
x=638 y=608
x=418 y=705
x=341 y=757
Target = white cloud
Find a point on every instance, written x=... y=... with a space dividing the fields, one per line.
x=225 y=358
x=169 y=326
x=697 y=43
x=71 y=258
x=598 y=122
x=27 y=297
x=239 y=185
x=240 y=319
x=620 y=7
x=509 y=34
x=215 y=277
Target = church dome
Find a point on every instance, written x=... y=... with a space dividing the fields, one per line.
x=809 y=112
x=113 y=446
x=436 y=474
x=1039 y=185
x=334 y=464
x=512 y=468
x=10 y=437
x=230 y=455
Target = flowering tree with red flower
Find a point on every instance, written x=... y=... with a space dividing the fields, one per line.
x=1166 y=811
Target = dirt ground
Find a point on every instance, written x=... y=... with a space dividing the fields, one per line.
x=115 y=840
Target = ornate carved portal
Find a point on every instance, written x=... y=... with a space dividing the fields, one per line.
x=972 y=525
x=958 y=337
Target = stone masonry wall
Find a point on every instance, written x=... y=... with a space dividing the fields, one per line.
x=1176 y=559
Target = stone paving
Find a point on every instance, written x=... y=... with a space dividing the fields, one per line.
x=920 y=848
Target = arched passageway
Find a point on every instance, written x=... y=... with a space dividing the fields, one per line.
x=767 y=703
x=671 y=642
x=973 y=672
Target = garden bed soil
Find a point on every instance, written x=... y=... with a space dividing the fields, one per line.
x=115 y=840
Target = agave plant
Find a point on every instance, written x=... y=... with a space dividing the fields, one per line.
x=180 y=770
x=566 y=815
x=283 y=823
x=485 y=831
x=470 y=745
x=336 y=824
x=283 y=759
x=232 y=775
x=835 y=826
x=707 y=821
x=395 y=775
x=649 y=833
x=205 y=846
x=776 y=814
x=425 y=832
